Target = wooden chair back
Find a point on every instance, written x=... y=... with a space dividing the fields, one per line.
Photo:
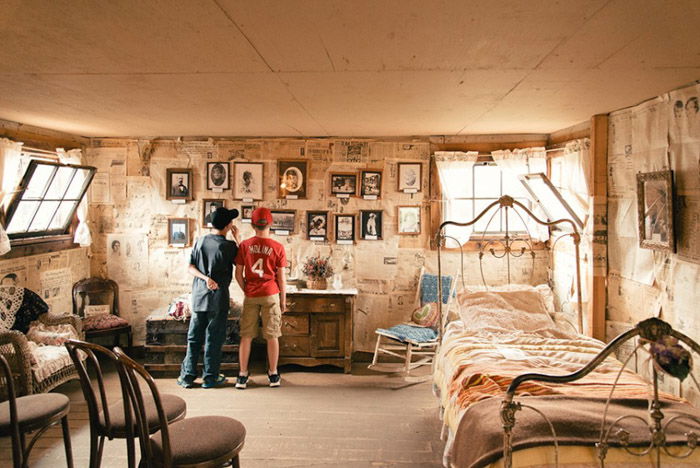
x=135 y=374
x=95 y=291
x=14 y=420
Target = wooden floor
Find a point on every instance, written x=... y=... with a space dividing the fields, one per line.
x=317 y=418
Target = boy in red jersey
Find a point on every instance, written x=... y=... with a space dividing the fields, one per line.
x=260 y=264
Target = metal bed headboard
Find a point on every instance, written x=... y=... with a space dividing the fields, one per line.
x=508 y=246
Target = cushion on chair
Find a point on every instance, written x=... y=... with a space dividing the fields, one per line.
x=103 y=322
x=53 y=335
x=429 y=288
x=33 y=411
x=426 y=316
x=409 y=334
x=32 y=307
x=194 y=440
x=49 y=360
x=173 y=406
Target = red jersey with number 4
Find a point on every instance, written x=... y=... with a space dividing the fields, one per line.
x=262 y=258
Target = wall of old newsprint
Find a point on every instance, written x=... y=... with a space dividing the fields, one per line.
x=660 y=134
x=128 y=204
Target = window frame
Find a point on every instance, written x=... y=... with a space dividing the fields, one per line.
x=46 y=235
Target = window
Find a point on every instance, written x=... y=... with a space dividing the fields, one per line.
x=46 y=199
x=484 y=185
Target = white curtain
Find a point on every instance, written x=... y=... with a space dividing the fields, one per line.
x=10 y=171
x=82 y=232
x=526 y=161
x=577 y=176
x=454 y=169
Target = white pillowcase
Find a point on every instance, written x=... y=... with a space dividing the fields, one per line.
x=519 y=309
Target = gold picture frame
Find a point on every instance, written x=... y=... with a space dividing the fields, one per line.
x=655 y=210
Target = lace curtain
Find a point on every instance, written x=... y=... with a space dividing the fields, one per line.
x=454 y=167
x=520 y=162
x=10 y=171
x=82 y=232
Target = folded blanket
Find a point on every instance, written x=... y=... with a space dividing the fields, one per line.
x=409 y=333
x=577 y=421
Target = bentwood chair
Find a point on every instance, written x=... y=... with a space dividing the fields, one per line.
x=31 y=413
x=203 y=442
x=114 y=419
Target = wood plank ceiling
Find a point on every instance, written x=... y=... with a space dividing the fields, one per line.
x=332 y=67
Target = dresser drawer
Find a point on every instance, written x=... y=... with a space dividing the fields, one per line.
x=295 y=324
x=294 y=346
x=315 y=304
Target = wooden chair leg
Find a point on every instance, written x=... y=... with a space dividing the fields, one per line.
x=94 y=461
x=376 y=350
x=131 y=452
x=66 y=441
x=235 y=463
x=409 y=356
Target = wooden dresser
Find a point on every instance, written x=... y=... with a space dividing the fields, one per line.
x=317 y=328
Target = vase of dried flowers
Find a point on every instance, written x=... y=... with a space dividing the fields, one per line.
x=317 y=269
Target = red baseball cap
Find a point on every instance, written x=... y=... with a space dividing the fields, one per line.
x=261 y=217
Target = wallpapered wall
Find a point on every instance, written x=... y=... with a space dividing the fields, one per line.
x=128 y=204
x=660 y=134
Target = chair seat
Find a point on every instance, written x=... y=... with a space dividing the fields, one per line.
x=104 y=322
x=410 y=334
x=173 y=406
x=204 y=438
x=33 y=411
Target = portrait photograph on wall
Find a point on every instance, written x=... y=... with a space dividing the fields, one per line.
x=292 y=179
x=655 y=210
x=409 y=177
x=247 y=213
x=371 y=185
x=247 y=181
x=218 y=176
x=283 y=221
x=209 y=206
x=178 y=184
x=370 y=224
x=178 y=232
x=317 y=225
x=409 y=220
x=344 y=228
x=343 y=184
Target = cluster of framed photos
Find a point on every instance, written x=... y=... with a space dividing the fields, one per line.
x=248 y=181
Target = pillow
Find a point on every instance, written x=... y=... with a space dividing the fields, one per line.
x=426 y=315
x=51 y=335
x=521 y=310
x=103 y=322
x=543 y=289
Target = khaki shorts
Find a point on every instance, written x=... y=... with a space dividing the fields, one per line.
x=267 y=307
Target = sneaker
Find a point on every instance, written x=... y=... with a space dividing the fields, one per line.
x=220 y=380
x=184 y=383
x=242 y=381
x=275 y=380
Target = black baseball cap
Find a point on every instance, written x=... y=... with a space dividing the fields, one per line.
x=222 y=217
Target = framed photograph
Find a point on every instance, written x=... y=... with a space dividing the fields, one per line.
x=410 y=177
x=283 y=221
x=179 y=184
x=409 y=220
x=247 y=181
x=371 y=224
x=655 y=210
x=317 y=225
x=178 y=232
x=209 y=206
x=218 y=176
x=343 y=184
x=344 y=229
x=371 y=185
x=292 y=179
x=247 y=213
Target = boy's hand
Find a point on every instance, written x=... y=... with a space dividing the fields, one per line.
x=283 y=305
x=236 y=235
x=211 y=284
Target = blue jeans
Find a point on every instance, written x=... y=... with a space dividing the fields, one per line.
x=208 y=328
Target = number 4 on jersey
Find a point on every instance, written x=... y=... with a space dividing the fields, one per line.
x=257 y=267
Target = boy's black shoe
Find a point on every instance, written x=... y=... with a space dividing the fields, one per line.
x=242 y=381
x=275 y=380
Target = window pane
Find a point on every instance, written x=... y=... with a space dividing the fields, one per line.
x=60 y=183
x=512 y=186
x=77 y=184
x=22 y=217
x=515 y=222
x=487 y=181
x=37 y=184
x=63 y=215
x=491 y=221
x=43 y=216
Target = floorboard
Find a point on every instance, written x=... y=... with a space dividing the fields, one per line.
x=319 y=417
